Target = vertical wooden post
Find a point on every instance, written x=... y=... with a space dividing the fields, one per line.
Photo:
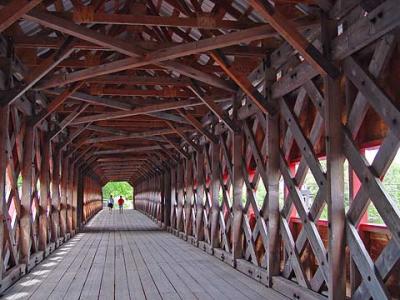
x=215 y=186
x=200 y=197
x=273 y=175
x=55 y=220
x=189 y=196
x=75 y=197
x=133 y=196
x=69 y=198
x=4 y=119
x=335 y=190
x=180 y=199
x=80 y=196
x=64 y=195
x=162 y=199
x=272 y=138
x=335 y=172
x=167 y=198
x=173 y=196
x=44 y=194
x=26 y=197
x=237 y=157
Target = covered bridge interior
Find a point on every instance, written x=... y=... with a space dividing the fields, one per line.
x=244 y=126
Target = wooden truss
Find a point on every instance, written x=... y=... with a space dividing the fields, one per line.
x=218 y=113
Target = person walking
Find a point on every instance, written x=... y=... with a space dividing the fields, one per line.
x=110 y=203
x=121 y=204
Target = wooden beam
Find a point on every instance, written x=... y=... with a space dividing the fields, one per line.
x=140 y=80
x=237 y=188
x=130 y=150
x=289 y=32
x=12 y=12
x=48 y=20
x=247 y=87
x=334 y=141
x=33 y=42
x=4 y=121
x=182 y=134
x=164 y=93
x=273 y=175
x=201 y=21
x=55 y=196
x=136 y=56
x=197 y=124
x=137 y=111
x=26 y=197
x=176 y=147
x=108 y=130
x=44 y=193
x=95 y=100
x=133 y=135
x=214 y=193
x=221 y=114
x=73 y=136
x=48 y=64
x=53 y=105
x=64 y=196
x=68 y=120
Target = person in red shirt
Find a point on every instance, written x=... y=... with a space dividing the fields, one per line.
x=121 y=204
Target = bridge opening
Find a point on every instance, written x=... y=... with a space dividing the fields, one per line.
x=118 y=189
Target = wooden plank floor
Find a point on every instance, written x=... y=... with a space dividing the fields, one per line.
x=126 y=256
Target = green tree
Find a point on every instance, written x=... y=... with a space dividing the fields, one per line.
x=120 y=188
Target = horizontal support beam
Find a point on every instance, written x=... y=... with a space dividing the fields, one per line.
x=137 y=58
x=135 y=135
x=138 y=111
x=164 y=93
x=130 y=150
x=140 y=80
x=14 y=11
x=200 y=21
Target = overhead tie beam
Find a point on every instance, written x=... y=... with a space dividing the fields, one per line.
x=45 y=67
x=139 y=57
x=57 y=102
x=56 y=23
x=14 y=11
x=201 y=21
x=288 y=31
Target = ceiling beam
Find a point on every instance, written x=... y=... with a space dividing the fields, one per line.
x=38 y=73
x=130 y=49
x=139 y=57
x=134 y=135
x=54 y=104
x=176 y=147
x=182 y=134
x=164 y=93
x=200 y=21
x=287 y=29
x=140 y=80
x=138 y=111
x=28 y=42
x=74 y=135
x=245 y=84
x=14 y=11
x=220 y=113
x=95 y=100
x=130 y=150
x=68 y=120
x=197 y=124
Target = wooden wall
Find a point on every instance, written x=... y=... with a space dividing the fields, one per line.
x=281 y=242
x=92 y=198
x=38 y=189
